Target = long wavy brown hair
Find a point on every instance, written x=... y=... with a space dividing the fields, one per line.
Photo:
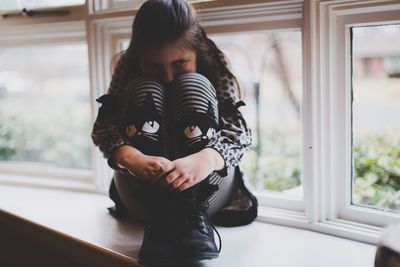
x=159 y=22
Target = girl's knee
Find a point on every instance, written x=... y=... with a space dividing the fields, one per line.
x=147 y=78
x=143 y=87
x=192 y=80
x=145 y=82
x=191 y=75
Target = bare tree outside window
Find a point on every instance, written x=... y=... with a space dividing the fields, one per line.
x=268 y=65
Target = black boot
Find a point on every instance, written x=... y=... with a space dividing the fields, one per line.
x=195 y=232
x=159 y=240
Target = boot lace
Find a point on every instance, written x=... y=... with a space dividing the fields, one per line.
x=196 y=218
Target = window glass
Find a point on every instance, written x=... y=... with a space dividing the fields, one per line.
x=44 y=105
x=269 y=67
x=376 y=116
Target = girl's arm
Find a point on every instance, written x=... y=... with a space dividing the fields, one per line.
x=105 y=133
x=234 y=137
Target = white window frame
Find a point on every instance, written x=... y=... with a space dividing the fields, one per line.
x=108 y=6
x=328 y=79
x=112 y=6
x=37 y=31
x=340 y=114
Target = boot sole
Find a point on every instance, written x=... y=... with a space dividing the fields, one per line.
x=158 y=262
x=201 y=256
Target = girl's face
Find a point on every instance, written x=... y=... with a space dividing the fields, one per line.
x=167 y=62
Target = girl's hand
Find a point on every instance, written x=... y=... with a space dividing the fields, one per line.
x=193 y=169
x=149 y=168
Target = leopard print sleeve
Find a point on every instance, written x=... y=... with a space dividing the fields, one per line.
x=105 y=133
x=234 y=137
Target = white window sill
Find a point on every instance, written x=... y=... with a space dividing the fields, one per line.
x=83 y=217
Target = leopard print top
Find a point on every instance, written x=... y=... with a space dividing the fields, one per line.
x=231 y=141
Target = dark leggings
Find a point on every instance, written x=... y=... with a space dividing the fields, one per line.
x=171 y=121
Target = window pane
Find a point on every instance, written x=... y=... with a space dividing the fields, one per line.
x=269 y=67
x=44 y=105
x=32 y=4
x=376 y=116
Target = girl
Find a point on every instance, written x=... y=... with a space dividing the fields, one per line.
x=171 y=129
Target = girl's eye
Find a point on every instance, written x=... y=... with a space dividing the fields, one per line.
x=180 y=63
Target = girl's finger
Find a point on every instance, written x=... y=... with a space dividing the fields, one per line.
x=167 y=167
x=178 y=182
x=171 y=177
x=184 y=186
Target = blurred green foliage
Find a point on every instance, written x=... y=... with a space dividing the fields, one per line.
x=376 y=167
x=377 y=171
x=279 y=163
x=57 y=134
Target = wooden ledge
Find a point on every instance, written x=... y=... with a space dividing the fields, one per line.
x=24 y=243
x=43 y=227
